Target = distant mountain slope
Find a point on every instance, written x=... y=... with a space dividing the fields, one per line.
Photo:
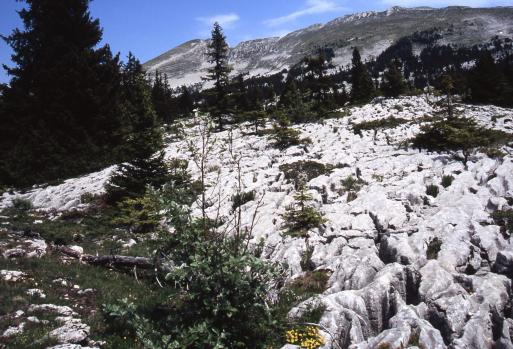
x=370 y=31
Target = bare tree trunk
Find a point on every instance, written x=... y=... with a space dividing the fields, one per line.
x=109 y=260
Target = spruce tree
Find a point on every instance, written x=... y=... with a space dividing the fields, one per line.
x=292 y=104
x=147 y=166
x=161 y=98
x=488 y=84
x=185 y=102
x=64 y=97
x=362 y=87
x=218 y=74
x=321 y=83
x=393 y=83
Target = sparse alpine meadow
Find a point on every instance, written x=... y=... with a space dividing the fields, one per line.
x=392 y=263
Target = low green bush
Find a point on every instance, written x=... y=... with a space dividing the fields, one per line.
x=447 y=181
x=433 y=248
x=458 y=134
x=432 y=190
x=504 y=218
x=300 y=217
x=242 y=198
x=21 y=205
x=309 y=168
x=390 y=122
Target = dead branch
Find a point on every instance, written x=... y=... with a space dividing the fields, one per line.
x=109 y=260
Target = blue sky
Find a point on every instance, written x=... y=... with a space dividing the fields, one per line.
x=151 y=27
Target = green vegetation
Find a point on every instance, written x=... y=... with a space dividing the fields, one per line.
x=283 y=135
x=504 y=218
x=310 y=283
x=312 y=313
x=433 y=248
x=362 y=90
x=375 y=125
x=458 y=134
x=240 y=199
x=141 y=214
x=447 y=180
x=300 y=217
x=308 y=169
x=432 y=190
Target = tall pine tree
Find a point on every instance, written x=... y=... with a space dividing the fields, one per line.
x=393 y=83
x=321 y=83
x=218 y=74
x=362 y=87
x=488 y=84
x=62 y=109
x=147 y=166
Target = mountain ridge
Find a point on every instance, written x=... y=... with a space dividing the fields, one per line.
x=371 y=31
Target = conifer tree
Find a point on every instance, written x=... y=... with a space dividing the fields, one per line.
x=393 y=83
x=147 y=166
x=292 y=104
x=321 y=84
x=218 y=74
x=64 y=96
x=362 y=87
x=488 y=84
x=161 y=98
x=185 y=102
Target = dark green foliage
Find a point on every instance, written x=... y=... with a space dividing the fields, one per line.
x=390 y=122
x=432 y=190
x=161 y=97
x=447 y=181
x=218 y=73
x=139 y=214
x=433 y=248
x=320 y=83
x=458 y=134
x=21 y=205
x=300 y=217
x=293 y=106
x=393 y=83
x=352 y=184
x=488 y=84
x=312 y=314
x=147 y=167
x=62 y=112
x=283 y=135
x=504 y=219
x=185 y=102
x=213 y=300
x=362 y=87
x=240 y=199
x=308 y=168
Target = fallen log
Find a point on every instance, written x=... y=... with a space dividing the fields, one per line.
x=110 y=260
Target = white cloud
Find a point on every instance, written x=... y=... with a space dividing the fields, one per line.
x=438 y=3
x=225 y=20
x=312 y=7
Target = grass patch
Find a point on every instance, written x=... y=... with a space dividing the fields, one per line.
x=310 y=283
x=311 y=169
x=447 y=181
x=375 y=125
x=432 y=190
